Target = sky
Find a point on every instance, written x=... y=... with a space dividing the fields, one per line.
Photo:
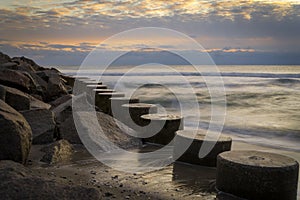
x=63 y=32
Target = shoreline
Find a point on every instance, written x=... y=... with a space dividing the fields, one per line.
x=58 y=156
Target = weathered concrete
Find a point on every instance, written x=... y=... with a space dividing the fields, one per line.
x=117 y=110
x=102 y=100
x=104 y=90
x=172 y=124
x=257 y=175
x=196 y=139
x=91 y=87
x=134 y=111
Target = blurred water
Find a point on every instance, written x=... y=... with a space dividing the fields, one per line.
x=263 y=102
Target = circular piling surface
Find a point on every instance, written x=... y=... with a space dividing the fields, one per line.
x=257 y=175
x=95 y=86
x=116 y=105
x=172 y=123
x=103 y=90
x=135 y=111
x=196 y=138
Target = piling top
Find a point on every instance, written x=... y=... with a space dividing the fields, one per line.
x=258 y=159
x=96 y=86
x=139 y=105
x=110 y=94
x=124 y=99
x=104 y=90
x=163 y=117
x=91 y=82
x=200 y=134
x=81 y=78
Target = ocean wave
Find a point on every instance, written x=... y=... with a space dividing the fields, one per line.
x=225 y=74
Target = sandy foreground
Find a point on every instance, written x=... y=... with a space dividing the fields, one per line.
x=176 y=181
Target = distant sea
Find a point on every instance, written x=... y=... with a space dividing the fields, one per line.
x=263 y=102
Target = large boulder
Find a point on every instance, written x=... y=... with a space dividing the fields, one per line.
x=55 y=84
x=59 y=101
x=42 y=124
x=20 y=100
x=18 y=182
x=117 y=133
x=16 y=99
x=58 y=152
x=15 y=79
x=27 y=62
x=15 y=135
x=4 y=58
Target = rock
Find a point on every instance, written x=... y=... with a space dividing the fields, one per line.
x=69 y=80
x=26 y=61
x=17 y=66
x=115 y=131
x=42 y=124
x=55 y=84
x=15 y=135
x=39 y=85
x=60 y=101
x=9 y=65
x=257 y=175
x=18 y=182
x=15 y=79
x=37 y=104
x=16 y=99
x=22 y=101
x=2 y=93
x=59 y=151
x=4 y=58
x=68 y=131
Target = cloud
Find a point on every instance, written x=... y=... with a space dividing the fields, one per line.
x=78 y=25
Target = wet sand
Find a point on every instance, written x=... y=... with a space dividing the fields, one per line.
x=176 y=181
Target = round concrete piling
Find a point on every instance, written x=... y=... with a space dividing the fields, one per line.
x=257 y=175
x=102 y=100
x=104 y=90
x=135 y=111
x=90 y=88
x=118 y=110
x=92 y=82
x=196 y=138
x=172 y=123
x=96 y=86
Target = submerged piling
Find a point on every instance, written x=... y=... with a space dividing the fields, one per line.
x=172 y=123
x=135 y=111
x=196 y=138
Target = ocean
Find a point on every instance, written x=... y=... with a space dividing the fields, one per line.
x=262 y=102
